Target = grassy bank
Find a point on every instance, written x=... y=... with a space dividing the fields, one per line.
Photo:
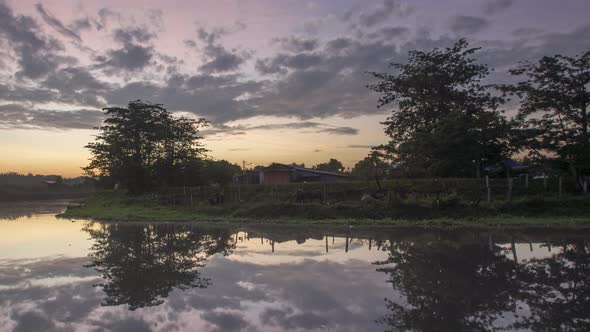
x=534 y=211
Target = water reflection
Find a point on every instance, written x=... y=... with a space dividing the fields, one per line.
x=161 y=277
x=142 y=264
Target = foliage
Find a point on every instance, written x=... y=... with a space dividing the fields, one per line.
x=371 y=167
x=446 y=122
x=554 y=108
x=142 y=145
x=331 y=165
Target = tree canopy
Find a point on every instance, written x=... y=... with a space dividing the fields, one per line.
x=444 y=121
x=331 y=165
x=143 y=145
x=554 y=108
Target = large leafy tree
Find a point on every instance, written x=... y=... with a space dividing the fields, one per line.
x=554 y=108
x=444 y=122
x=143 y=145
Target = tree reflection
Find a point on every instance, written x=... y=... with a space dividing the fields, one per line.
x=447 y=286
x=142 y=264
x=557 y=290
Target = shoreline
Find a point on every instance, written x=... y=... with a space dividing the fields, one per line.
x=116 y=207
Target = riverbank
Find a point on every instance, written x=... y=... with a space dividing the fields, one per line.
x=568 y=212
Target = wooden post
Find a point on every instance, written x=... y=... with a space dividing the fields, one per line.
x=544 y=181
x=346 y=247
x=192 y=204
x=489 y=195
x=239 y=193
x=513 y=245
x=324 y=198
x=326 y=244
x=526 y=181
x=559 y=185
x=487 y=181
x=585 y=187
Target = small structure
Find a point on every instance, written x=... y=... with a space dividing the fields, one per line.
x=282 y=174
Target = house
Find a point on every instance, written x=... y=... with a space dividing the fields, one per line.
x=282 y=174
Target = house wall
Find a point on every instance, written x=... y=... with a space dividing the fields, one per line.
x=275 y=177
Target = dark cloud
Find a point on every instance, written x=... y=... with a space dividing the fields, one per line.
x=20 y=116
x=491 y=7
x=56 y=23
x=36 y=54
x=298 y=44
x=355 y=146
x=80 y=25
x=226 y=321
x=32 y=321
x=316 y=126
x=526 y=32
x=465 y=25
x=341 y=131
x=132 y=34
x=390 y=33
x=281 y=62
x=338 y=44
x=217 y=58
x=130 y=57
x=382 y=13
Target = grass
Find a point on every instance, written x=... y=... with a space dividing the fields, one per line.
x=535 y=211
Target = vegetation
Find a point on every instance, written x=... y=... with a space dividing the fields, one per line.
x=571 y=211
x=554 y=109
x=445 y=121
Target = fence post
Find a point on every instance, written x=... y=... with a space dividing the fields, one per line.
x=325 y=196
x=544 y=181
x=585 y=187
x=560 y=187
x=526 y=181
x=509 y=189
x=239 y=193
x=489 y=193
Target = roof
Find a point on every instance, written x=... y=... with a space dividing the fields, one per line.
x=283 y=167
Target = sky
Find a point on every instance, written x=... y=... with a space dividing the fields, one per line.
x=280 y=81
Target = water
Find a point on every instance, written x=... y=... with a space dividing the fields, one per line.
x=61 y=275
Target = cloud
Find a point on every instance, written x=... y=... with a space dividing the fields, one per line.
x=492 y=7
x=56 y=24
x=281 y=62
x=132 y=34
x=317 y=126
x=36 y=54
x=20 y=116
x=226 y=321
x=382 y=13
x=355 y=146
x=130 y=57
x=217 y=58
x=390 y=33
x=298 y=44
x=465 y=25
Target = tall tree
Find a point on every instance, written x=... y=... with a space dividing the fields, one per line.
x=444 y=121
x=143 y=144
x=554 y=108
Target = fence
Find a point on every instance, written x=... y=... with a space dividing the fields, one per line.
x=481 y=190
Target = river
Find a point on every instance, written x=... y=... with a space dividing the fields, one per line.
x=79 y=275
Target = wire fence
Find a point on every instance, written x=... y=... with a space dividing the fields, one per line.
x=485 y=189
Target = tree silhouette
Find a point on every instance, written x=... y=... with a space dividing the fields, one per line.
x=142 y=264
x=446 y=122
x=447 y=285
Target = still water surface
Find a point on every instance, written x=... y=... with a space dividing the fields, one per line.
x=68 y=275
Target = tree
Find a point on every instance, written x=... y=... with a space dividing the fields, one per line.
x=141 y=264
x=445 y=123
x=554 y=108
x=372 y=167
x=220 y=171
x=332 y=165
x=142 y=145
